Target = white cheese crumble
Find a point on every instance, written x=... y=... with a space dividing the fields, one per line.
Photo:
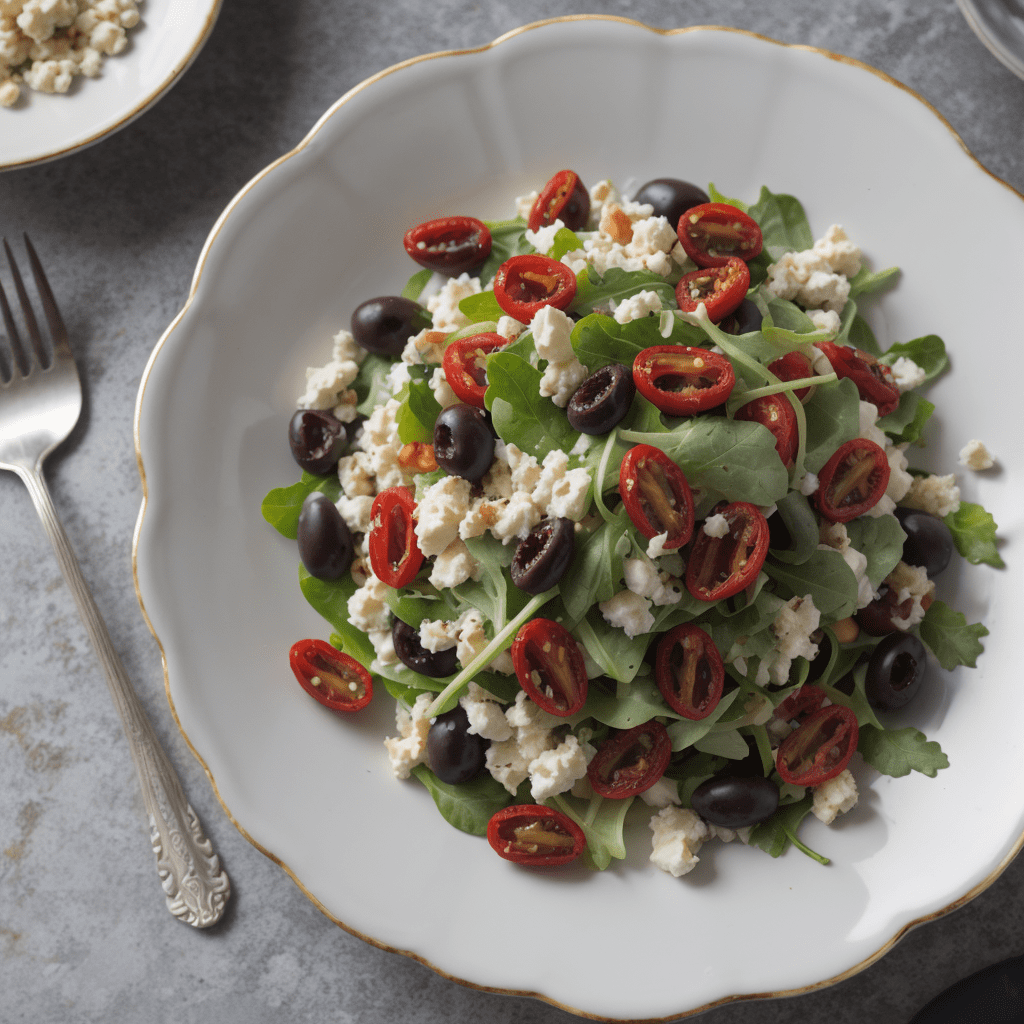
x=679 y=834
x=716 y=525
x=818 y=278
x=936 y=494
x=629 y=612
x=409 y=748
x=974 y=455
x=834 y=796
x=636 y=307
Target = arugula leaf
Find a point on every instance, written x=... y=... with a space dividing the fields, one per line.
x=415 y=285
x=602 y=822
x=508 y=238
x=685 y=732
x=776 y=833
x=723 y=744
x=468 y=806
x=717 y=197
x=950 y=637
x=833 y=418
x=783 y=223
x=625 y=706
x=865 y=281
x=370 y=384
x=593 y=290
x=794 y=510
x=898 y=752
x=825 y=576
x=493 y=594
x=880 y=539
x=596 y=567
x=856 y=331
x=417 y=413
x=929 y=352
x=619 y=656
x=481 y=307
x=330 y=599
x=282 y=505
x=599 y=339
x=974 y=534
x=906 y=422
x=565 y=241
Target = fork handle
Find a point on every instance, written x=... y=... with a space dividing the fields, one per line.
x=196 y=888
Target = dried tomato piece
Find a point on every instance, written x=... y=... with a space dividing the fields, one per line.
x=681 y=380
x=723 y=566
x=331 y=677
x=689 y=671
x=525 y=284
x=721 y=289
x=533 y=834
x=873 y=379
x=820 y=748
x=800 y=703
x=449 y=245
x=657 y=495
x=630 y=762
x=852 y=481
x=713 y=232
x=563 y=198
x=549 y=666
x=395 y=555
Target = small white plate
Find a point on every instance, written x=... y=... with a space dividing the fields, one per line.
x=43 y=127
x=999 y=24
x=320 y=231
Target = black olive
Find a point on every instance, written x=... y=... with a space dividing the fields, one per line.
x=602 y=400
x=542 y=557
x=779 y=536
x=317 y=440
x=325 y=541
x=436 y=664
x=820 y=661
x=876 y=618
x=671 y=198
x=929 y=543
x=745 y=319
x=736 y=802
x=895 y=671
x=383 y=325
x=463 y=442
x=454 y=754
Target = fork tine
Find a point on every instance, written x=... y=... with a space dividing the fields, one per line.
x=58 y=332
x=29 y=315
x=17 y=358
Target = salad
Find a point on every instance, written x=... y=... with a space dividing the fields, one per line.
x=615 y=501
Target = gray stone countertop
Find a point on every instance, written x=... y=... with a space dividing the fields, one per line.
x=84 y=935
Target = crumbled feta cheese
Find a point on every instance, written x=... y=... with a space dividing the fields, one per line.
x=557 y=770
x=664 y=793
x=656 y=545
x=524 y=204
x=906 y=374
x=368 y=608
x=356 y=512
x=910 y=582
x=796 y=620
x=486 y=716
x=381 y=442
x=629 y=612
x=835 y=536
x=834 y=796
x=643 y=578
x=825 y=320
x=817 y=277
x=552 y=334
x=974 y=455
x=519 y=516
x=544 y=238
x=509 y=327
x=325 y=384
x=938 y=495
x=808 y=484
x=438 y=635
x=560 y=380
x=716 y=525
x=444 y=303
x=442 y=390
x=637 y=306
x=678 y=834
x=409 y=748
x=439 y=512
x=453 y=565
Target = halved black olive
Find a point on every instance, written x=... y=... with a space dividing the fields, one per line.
x=929 y=543
x=895 y=671
x=745 y=319
x=325 y=541
x=454 y=754
x=436 y=664
x=463 y=442
x=602 y=400
x=383 y=325
x=671 y=197
x=317 y=440
x=542 y=557
x=736 y=802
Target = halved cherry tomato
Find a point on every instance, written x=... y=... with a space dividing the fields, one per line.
x=689 y=671
x=395 y=556
x=525 y=284
x=722 y=566
x=793 y=366
x=776 y=413
x=873 y=379
x=563 y=198
x=852 y=481
x=450 y=245
x=464 y=365
x=535 y=834
x=820 y=748
x=549 y=666
x=657 y=495
x=801 y=703
x=630 y=762
x=681 y=380
x=713 y=232
x=720 y=288
x=335 y=679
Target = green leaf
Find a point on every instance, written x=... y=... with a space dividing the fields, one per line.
x=857 y=332
x=776 y=833
x=685 y=732
x=599 y=339
x=593 y=290
x=415 y=285
x=898 y=752
x=717 y=197
x=468 y=806
x=370 y=384
x=566 y=240
x=482 y=306
x=833 y=418
x=929 y=352
x=330 y=599
x=619 y=655
x=825 y=577
x=865 y=281
x=906 y=422
x=596 y=566
x=783 y=223
x=625 y=706
x=974 y=534
x=950 y=637
x=880 y=539
x=494 y=593
x=602 y=822
x=796 y=514
x=417 y=413
x=508 y=238
x=282 y=505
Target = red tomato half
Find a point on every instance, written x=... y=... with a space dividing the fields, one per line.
x=722 y=566
x=852 y=481
x=776 y=413
x=395 y=556
x=721 y=289
x=657 y=495
x=713 y=232
x=630 y=762
x=873 y=379
x=820 y=748
x=335 y=679
x=525 y=284
x=464 y=365
x=681 y=380
x=689 y=671
x=793 y=366
x=535 y=834
x=449 y=245
x=801 y=703
x=549 y=666
x=563 y=198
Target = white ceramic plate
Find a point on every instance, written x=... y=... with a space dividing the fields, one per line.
x=320 y=231
x=165 y=42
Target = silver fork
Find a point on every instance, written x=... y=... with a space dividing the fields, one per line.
x=40 y=399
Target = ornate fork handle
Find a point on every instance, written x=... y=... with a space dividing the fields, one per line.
x=197 y=889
